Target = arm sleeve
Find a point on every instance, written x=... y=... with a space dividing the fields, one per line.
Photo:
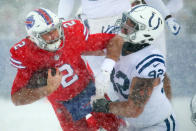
x=175 y=5
x=65 y=8
x=160 y=6
x=21 y=80
x=97 y=42
x=83 y=40
x=23 y=72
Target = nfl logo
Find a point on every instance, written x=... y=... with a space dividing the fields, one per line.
x=56 y=57
x=30 y=21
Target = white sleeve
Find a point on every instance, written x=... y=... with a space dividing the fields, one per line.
x=175 y=5
x=65 y=8
x=108 y=65
x=160 y=6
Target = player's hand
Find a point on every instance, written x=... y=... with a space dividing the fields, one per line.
x=54 y=80
x=101 y=105
x=173 y=26
x=114 y=48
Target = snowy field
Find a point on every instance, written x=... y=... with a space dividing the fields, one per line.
x=39 y=116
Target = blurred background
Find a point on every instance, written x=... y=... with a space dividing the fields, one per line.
x=181 y=67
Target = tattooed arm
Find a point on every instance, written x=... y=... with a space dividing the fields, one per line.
x=167 y=87
x=140 y=92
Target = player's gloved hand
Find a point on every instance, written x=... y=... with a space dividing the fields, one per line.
x=101 y=105
x=173 y=25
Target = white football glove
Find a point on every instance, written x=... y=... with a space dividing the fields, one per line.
x=173 y=26
x=102 y=83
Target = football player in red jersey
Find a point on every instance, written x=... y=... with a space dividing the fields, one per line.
x=57 y=44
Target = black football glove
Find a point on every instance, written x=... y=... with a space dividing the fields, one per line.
x=101 y=105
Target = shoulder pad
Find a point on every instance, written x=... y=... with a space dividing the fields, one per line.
x=152 y=66
x=78 y=27
x=17 y=52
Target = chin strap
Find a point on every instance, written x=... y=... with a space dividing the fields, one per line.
x=129 y=47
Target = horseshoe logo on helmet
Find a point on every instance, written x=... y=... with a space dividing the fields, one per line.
x=158 y=22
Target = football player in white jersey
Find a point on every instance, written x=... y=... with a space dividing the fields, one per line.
x=167 y=13
x=138 y=75
x=100 y=13
x=103 y=13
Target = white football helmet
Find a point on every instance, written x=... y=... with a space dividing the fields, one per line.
x=142 y=24
x=41 y=21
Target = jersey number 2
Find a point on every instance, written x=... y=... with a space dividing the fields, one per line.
x=70 y=74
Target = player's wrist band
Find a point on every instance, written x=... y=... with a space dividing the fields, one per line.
x=167 y=17
x=108 y=65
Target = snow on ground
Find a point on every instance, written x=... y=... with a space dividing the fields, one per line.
x=40 y=116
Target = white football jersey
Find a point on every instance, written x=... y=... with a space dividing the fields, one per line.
x=104 y=8
x=146 y=63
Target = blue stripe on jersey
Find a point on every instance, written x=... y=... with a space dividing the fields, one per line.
x=150 y=62
x=136 y=8
x=174 y=124
x=147 y=59
x=162 y=90
x=167 y=124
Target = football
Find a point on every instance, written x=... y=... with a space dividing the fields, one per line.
x=39 y=78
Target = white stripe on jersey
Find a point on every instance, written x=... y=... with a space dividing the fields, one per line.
x=16 y=63
x=20 y=67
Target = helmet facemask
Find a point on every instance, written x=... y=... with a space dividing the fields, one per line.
x=129 y=28
x=51 y=45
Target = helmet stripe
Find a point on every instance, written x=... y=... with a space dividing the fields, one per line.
x=45 y=15
x=136 y=7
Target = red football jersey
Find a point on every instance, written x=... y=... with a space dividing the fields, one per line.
x=27 y=57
